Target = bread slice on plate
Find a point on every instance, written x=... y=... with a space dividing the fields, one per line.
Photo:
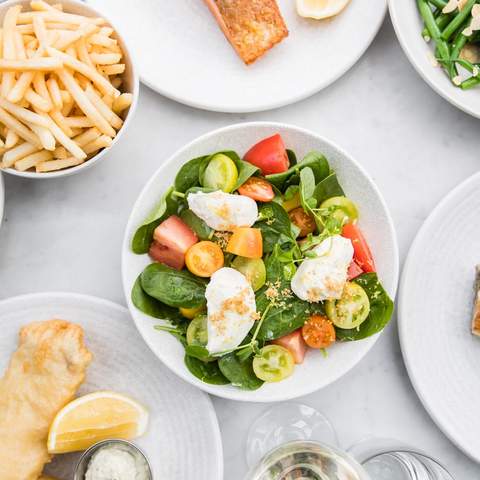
x=252 y=26
x=476 y=306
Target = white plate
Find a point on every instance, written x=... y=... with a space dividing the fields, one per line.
x=183 y=440
x=408 y=26
x=435 y=311
x=316 y=372
x=182 y=53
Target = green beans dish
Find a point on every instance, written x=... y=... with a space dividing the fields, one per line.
x=453 y=27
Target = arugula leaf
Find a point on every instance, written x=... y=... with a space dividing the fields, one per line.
x=381 y=310
x=206 y=372
x=328 y=188
x=188 y=175
x=239 y=373
x=153 y=307
x=172 y=287
x=168 y=205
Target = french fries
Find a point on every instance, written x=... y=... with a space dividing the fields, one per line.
x=60 y=79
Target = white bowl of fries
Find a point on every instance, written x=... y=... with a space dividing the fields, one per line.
x=68 y=87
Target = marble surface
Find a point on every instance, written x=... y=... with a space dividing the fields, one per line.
x=66 y=234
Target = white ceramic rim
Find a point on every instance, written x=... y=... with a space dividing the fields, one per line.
x=135 y=92
x=393 y=5
x=232 y=394
x=401 y=306
x=276 y=104
x=107 y=303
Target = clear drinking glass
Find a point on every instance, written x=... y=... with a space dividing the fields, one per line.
x=292 y=441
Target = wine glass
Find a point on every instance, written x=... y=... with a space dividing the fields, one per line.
x=293 y=441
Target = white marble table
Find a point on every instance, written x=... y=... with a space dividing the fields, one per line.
x=66 y=234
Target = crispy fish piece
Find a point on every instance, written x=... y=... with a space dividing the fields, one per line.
x=476 y=306
x=42 y=377
x=252 y=26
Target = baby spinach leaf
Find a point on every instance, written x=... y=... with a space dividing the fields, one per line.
x=292 y=157
x=327 y=188
x=172 y=287
x=188 y=175
x=245 y=171
x=275 y=225
x=199 y=352
x=152 y=307
x=239 y=373
x=167 y=206
x=203 y=231
x=307 y=189
x=315 y=160
x=381 y=310
x=206 y=372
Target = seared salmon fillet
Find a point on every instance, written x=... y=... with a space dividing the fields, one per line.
x=476 y=307
x=42 y=377
x=252 y=26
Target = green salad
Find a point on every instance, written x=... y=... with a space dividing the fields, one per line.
x=256 y=261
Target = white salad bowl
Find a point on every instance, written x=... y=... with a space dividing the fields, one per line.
x=131 y=84
x=317 y=371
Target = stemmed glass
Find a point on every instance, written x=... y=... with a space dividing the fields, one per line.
x=293 y=441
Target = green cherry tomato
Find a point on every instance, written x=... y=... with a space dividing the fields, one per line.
x=345 y=210
x=197 y=333
x=273 y=363
x=351 y=310
x=253 y=269
x=221 y=173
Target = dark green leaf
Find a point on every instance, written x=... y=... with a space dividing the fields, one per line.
x=203 y=231
x=327 y=188
x=151 y=306
x=143 y=237
x=199 y=352
x=188 y=175
x=381 y=309
x=245 y=171
x=275 y=225
x=315 y=160
x=172 y=287
x=292 y=158
x=206 y=372
x=239 y=373
x=307 y=188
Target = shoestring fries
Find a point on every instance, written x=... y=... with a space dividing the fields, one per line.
x=60 y=80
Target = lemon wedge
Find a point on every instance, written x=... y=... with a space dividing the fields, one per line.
x=319 y=9
x=95 y=417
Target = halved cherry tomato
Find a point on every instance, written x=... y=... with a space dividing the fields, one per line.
x=204 y=258
x=162 y=254
x=294 y=343
x=318 y=332
x=303 y=221
x=273 y=363
x=191 y=313
x=354 y=270
x=269 y=155
x=246 y=242
x=257 y=189
x=175 y=234
x=362 y=254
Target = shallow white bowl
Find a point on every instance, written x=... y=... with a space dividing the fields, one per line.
x=130 y=83
x=408 y=25
x=316 y=372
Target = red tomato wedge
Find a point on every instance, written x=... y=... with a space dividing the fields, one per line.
x=246 y=242
x=162 y=254
x=362 y=254
x=269 y=155
x=354 y=270
x=175 y=234
x=257 y=189
x=294 y=343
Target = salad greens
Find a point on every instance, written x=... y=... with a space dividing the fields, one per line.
x=296 y=190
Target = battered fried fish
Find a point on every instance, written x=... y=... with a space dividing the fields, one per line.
x=42 y=377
